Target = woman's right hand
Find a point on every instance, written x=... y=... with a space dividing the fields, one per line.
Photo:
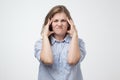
x=46 y=31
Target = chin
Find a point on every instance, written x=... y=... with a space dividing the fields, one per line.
x=60 y=34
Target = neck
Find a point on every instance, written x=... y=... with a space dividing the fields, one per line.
x=59 y=37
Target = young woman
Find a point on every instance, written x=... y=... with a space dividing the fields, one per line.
x=60 y=51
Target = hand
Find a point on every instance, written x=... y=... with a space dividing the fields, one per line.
x=46 y=31
x=72 y=30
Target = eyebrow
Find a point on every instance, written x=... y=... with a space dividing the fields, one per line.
x=60 y=19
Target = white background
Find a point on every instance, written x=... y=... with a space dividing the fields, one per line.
x=98 y=24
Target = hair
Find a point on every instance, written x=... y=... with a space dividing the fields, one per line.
x=56 y=9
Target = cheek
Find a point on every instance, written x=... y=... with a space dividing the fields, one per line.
x=53 y=24
x=64 y=27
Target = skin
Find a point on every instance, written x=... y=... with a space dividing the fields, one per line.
x=59 y=26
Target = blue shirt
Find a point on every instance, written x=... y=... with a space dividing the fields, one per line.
x=60 y=69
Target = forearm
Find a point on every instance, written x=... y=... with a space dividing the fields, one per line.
x=46 y=53
x=74 y=51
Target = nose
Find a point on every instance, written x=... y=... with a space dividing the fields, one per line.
x=59 y=23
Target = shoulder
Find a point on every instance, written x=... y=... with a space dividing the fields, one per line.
x=38 y=42
x=80 y=40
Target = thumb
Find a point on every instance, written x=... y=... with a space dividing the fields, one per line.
x=68 y=31
x=51 y=32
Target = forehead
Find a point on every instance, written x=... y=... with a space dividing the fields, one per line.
x=60 y=16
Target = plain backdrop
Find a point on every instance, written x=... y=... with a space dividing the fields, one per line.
x=98 y=24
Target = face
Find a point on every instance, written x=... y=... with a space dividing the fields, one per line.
x=59 y=24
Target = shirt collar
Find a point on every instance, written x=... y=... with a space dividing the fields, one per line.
x=66 y=39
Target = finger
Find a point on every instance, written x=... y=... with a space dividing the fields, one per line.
x=68 y=21
x=68 y=32
x=51 y=20
x=71 y=21
x=48 y=22
x=51 y=32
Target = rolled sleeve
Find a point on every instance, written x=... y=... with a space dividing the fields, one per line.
x=82 y=49
x=37 y=49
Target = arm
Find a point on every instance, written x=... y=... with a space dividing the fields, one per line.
x=46 y=52
x=74 y=50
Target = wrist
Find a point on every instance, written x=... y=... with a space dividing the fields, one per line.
x=75 y=33
x=45 y=36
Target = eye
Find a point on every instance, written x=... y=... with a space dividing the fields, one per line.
x=55 y=20
x=63 y=20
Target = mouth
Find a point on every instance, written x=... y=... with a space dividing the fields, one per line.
x=59 y=28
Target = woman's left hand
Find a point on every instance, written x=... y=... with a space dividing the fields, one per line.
x=72 y=30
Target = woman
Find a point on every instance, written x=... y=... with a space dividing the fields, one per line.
x=60 y=51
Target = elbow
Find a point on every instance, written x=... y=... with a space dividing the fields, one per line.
x=70 y=62
x=73 y=61
x=47 y=62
